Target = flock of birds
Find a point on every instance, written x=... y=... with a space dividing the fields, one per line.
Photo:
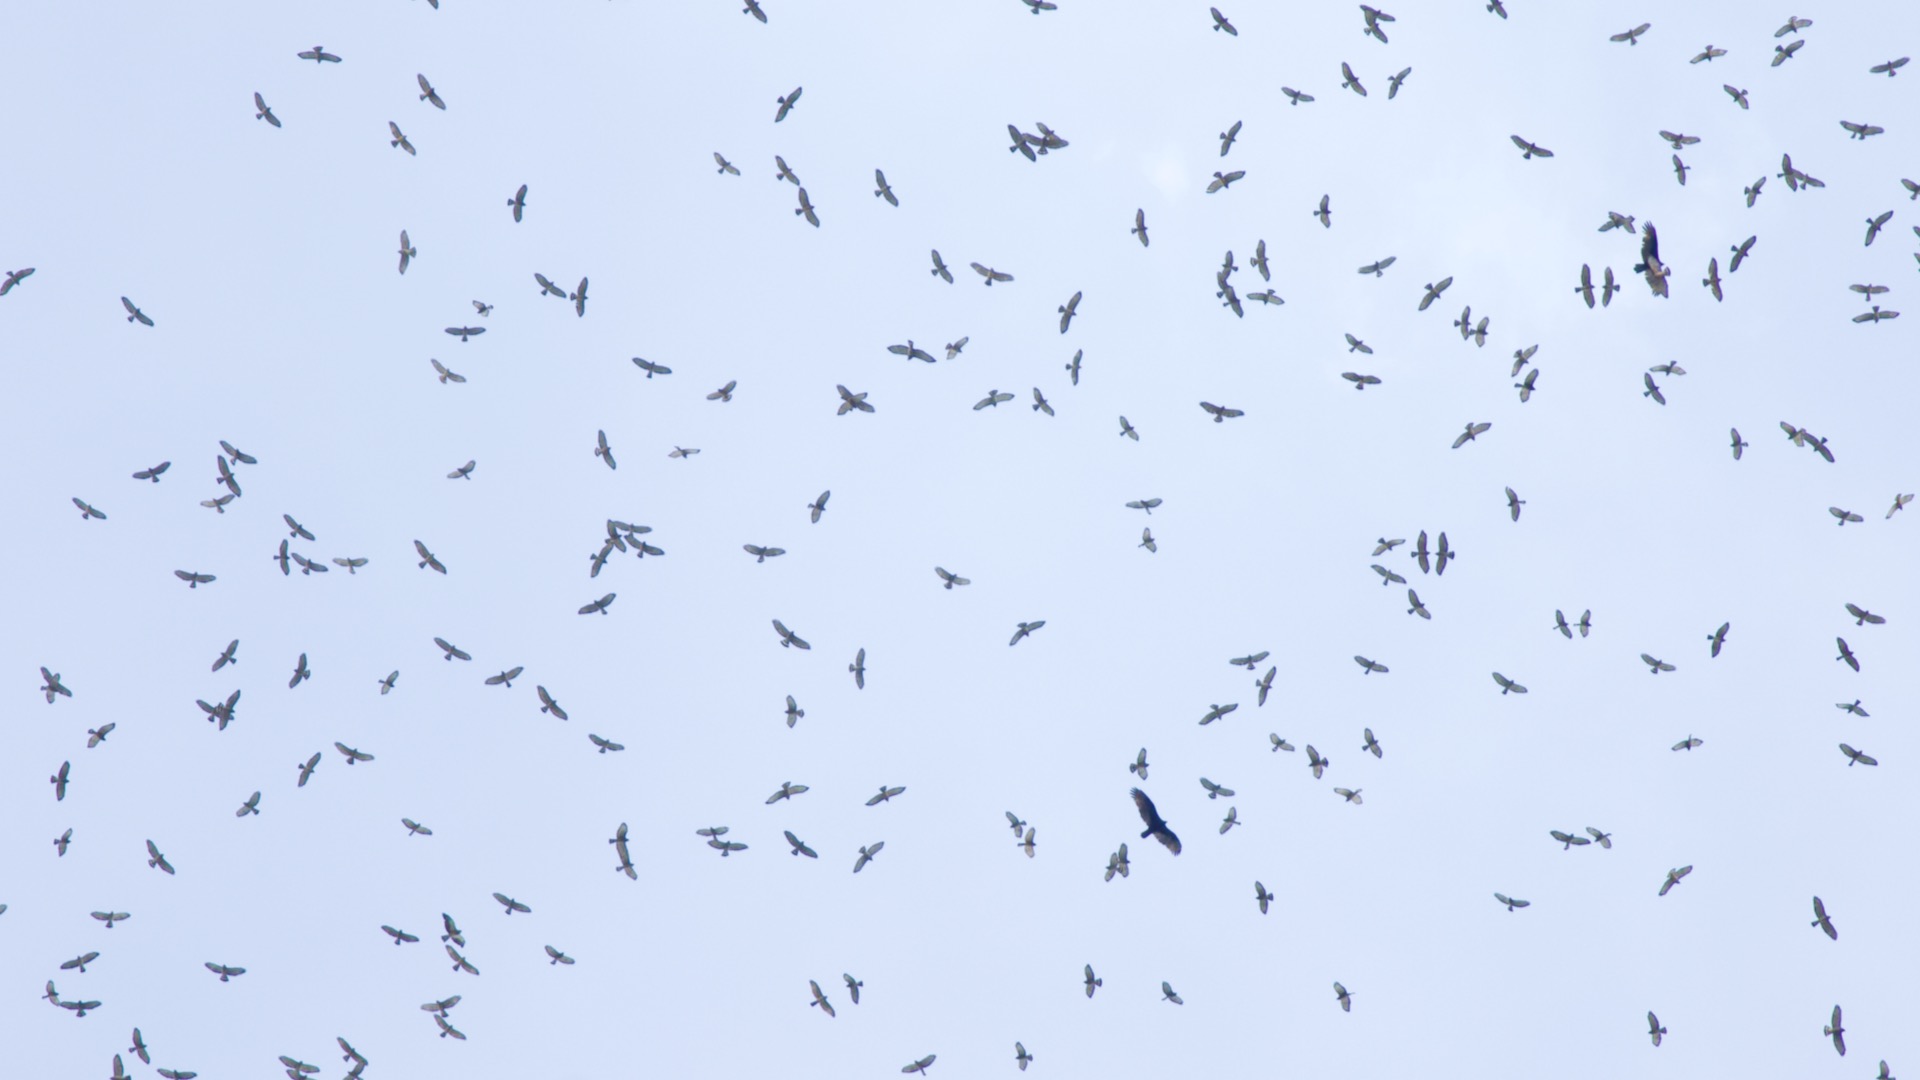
x=621 y=537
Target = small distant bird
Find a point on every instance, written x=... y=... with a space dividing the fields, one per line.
x=1530 y=150
x=1821 y=920
x=262 y=111
x=885 y=190
x=1219 y=23
x=1345 y=998
x=1890 y=69
x=1512 y=905
x=1393 y=84
x=1654 y=1029
x=786 y=103
x=319 y=55
x=1655 y=667
x=519 y=205
x=1632 y=37
x=399 y=139
x=1222 y=181
x=1855 y=757
x=1507 y=685
x=1024 y=630
x=725 y=165
x=753 y=9
x=429 y=95
x=134 y=314
x=505 y=678
x=1350 y=81
x=1324 y=213
x=1673 y=878
x=465 y=332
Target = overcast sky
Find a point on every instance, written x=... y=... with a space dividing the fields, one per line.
x=266 y=259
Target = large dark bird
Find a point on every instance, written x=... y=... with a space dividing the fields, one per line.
x=1156 y=828
x=1650 y=264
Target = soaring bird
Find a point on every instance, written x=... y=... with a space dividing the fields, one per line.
x=1156 y=827
x=261 y=112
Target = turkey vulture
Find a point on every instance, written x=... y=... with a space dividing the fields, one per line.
x=1156 y=828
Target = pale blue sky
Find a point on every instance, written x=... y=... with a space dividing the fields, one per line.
x=267 y=260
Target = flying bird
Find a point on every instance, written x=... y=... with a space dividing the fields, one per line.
x=786 y=103
x=1530 y=150
x=399 y=139
x=134 y=314
x=1631 y=37
x=261 y=112
x=1156 y=827
x=885 y=190
x=1219 y=23
x=429 y=95
x=319 y=55
x=1821 y=920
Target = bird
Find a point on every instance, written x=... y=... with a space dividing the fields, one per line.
x=460 y=963
x=1874 y=225
x=1654 y=1029
x=1167 y=994
x=1368 y=667
x=1652 y=390
x=786 y=103
x=518 y=204
x=1688 y=743
x=1388 y=577
x=353 y=756
x=1156 y=827
x=511 y=905
x=96 y=736
x=1222 y=181
x=134 y=314
x=1215 y=712
x=1512 y=905
x=885 y=794
x=414 y=828
x=1855 y=757
x=919 y=1066
x=1740 y=98
x=111 y=917
x=1295 y=97
x=1514 y=502
x=1708 y=53
x=605 y=745
x=399 y=139
x=505 y=678
x=1473 y=431
x=1228 y=136
x=1025 y=629
x=866 y=855
x=1350 y=81
x=1352 y=795
x=1631 y=37
x=806 y=210
x=1899 y=503
x=1220 y=413
x=261 y=112
x=885 y=190
x=1139 y=765
x=1673 y=878
x=155 y=860
x=990 y=275
x=1719 y=637
x=753 y=9
x=1344 y=997
x=1861 y=131
x=429 y=95
x=1020 y=1056
x=301 y=672
x=1862 y=616
x=1067 y=311
x=1846 y=654
x=1508 y=685
x=225 y=971
x=555 y=956
x=1605 y=840
x=1784 y=53
x=1833 y=1029
x=1324 y=213
x=1740 y=252
x=1529 y=149
x=1890 y=69
x=1821 y=920
x=1393 y=84
x=400 y=937
x=579 y=298
x=725 y=165
x=465 y=332
x=1852 y=708
x=14 y=277
x=1219 y=23
x=1093 y=982
x=60 y=842
x=1568 y=841
x=1655 y=667
x=319 y=55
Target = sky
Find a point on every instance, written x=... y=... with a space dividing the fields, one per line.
x=266 y=259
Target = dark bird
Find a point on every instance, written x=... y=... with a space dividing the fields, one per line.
x=1846 y=654
x=465 y=332
x=134 y=314
x=261 y=112
x=14 y=277
x=1219 y=23
x=1156 y=828
x=885 y=190
x=1650 y=264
